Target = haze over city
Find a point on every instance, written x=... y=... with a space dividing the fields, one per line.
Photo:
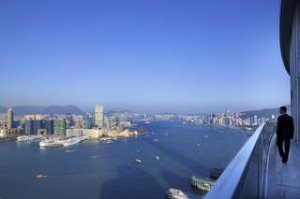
x=153 y=56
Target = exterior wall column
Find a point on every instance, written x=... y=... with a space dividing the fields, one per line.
x=295 y=70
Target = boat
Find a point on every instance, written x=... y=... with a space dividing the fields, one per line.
x=175 y=194
x=60 y=143
x=157 y=158
x=46 y=142
x=104 y=138
x=108 y=139
x=50 y=143
x=35 y=137
x=40 y=176
x=71 y=141
x=53 y=145
x=70 y=151
x=204 y=184
x=108 y=142
x=155 y=140
x=82 y=138
x=95 y=157
x=138 y=161
x=23 y=138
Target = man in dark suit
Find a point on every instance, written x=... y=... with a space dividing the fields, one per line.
x=285 y=132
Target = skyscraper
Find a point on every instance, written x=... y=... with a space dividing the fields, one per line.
x=10 y=118
x=60 y=127
x=87 y=122
x=28 y=127
x=32 y=126
x=99 y=116
x=49 y=125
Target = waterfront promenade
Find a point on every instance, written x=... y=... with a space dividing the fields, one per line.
x=284 y=179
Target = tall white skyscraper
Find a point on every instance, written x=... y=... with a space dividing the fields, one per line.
x=9 y=118
x=99 y=116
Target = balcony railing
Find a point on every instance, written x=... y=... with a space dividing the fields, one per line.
x=246 y=174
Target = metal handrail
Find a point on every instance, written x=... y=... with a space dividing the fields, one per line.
x=228 y=184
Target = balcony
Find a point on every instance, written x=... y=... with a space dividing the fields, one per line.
x=257 y=171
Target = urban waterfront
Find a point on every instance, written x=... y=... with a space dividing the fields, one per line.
x=95 y=169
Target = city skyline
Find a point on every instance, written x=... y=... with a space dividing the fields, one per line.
x=47 y=124
x=149 y=56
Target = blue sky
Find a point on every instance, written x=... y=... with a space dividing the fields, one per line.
x=189 y=56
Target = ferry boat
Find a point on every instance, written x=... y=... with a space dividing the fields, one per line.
x=204 y=184
x=175 y=194
x=50 y=143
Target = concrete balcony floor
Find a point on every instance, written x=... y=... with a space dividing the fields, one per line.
x=284 y=178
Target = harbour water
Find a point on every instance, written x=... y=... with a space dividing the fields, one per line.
x=95 y=169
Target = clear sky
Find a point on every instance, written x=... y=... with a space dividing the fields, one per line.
x=189 y=56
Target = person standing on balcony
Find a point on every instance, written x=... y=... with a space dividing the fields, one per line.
x=285 y=132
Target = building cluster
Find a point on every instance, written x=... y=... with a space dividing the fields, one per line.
x=227 y=119
x=97 y=124
x=93 y=125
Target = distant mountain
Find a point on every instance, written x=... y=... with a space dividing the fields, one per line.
x=263 y=112
x=23 y=110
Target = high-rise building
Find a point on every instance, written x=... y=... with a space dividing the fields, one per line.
x=69 y=120
x=60 y=127
x=10 y=118
x=36 y=124
x=49 y=125
x=28 y=127
x=87 y=122
x=32 y=126
x=99 y=116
